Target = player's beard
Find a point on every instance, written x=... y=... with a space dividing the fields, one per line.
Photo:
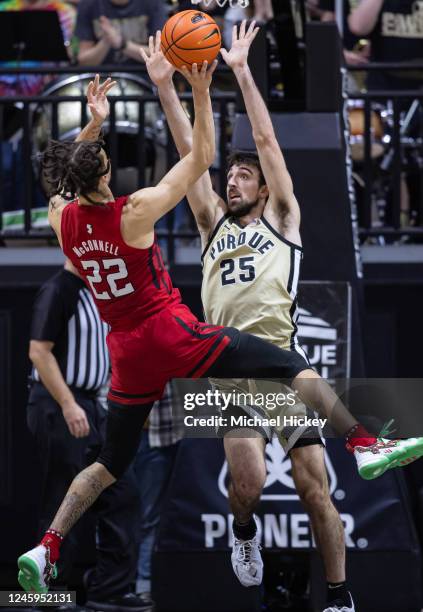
x=241 y=208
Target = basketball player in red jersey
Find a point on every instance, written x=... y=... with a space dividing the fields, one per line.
x=153 y=336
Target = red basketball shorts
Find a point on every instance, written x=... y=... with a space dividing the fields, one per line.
x=170 y=344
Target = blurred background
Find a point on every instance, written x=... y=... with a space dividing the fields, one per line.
x=343 y=80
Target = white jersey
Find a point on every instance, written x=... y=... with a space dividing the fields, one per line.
x=250 y=280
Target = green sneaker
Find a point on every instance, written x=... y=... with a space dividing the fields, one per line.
x=373 y=461
x=35 y=570
x=412 y=450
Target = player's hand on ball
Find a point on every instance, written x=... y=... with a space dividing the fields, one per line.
x=76 y=419
x=241 y=42
x=97 y=98
x=158 y=68
x=199 y=80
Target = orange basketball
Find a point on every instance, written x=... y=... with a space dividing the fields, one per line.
x=189 y=37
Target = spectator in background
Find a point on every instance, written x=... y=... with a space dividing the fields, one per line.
x=153 y=468
x=263 y=10
x=260 y=10
x=352 y=54
x=111 y=31
x=395 y=31
x=213 y=8
x=71 y=363
x=13 y=186
x=31 y=85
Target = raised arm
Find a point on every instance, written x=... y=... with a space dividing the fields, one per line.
x=281 y=196
x=100 y=108
x=363 y=18
x=152 y=203
x=205 y=203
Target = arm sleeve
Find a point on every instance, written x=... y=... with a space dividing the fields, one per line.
x=157 y=17
x=84 y=22
x=48 y=315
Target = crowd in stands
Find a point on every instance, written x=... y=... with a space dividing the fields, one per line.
x=99 y=32
x=110 y=32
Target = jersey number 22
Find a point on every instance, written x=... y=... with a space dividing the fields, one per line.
x=111 y=278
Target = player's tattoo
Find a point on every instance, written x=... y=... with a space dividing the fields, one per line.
x=83 y=492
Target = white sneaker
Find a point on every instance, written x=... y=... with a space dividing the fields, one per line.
x=334 y=607
x=36 y=570
x=373 y=461
x=247 y=562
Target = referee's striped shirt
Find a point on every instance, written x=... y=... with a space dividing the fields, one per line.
x=65 y=314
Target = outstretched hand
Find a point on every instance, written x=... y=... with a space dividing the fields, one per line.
x=241 y=43
x=97 y=98
x=200 y=80
x=158 y=68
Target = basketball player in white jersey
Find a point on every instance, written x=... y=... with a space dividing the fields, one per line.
x=251 y=259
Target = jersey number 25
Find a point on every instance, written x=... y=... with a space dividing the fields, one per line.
x=245 y=274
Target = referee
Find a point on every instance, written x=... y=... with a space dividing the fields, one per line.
x=71 y=363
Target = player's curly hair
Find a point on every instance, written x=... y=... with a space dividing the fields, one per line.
x=249 y=158
x=71 y=169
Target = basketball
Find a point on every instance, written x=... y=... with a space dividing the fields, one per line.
x=190 y=37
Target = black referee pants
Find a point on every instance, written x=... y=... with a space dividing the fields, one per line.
x=116 y=511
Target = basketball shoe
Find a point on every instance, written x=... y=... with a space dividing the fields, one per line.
x=341 y=607
x=247 y=562
x=35 y=570
x=385 y=454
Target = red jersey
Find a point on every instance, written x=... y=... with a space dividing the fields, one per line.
x=128 y=284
